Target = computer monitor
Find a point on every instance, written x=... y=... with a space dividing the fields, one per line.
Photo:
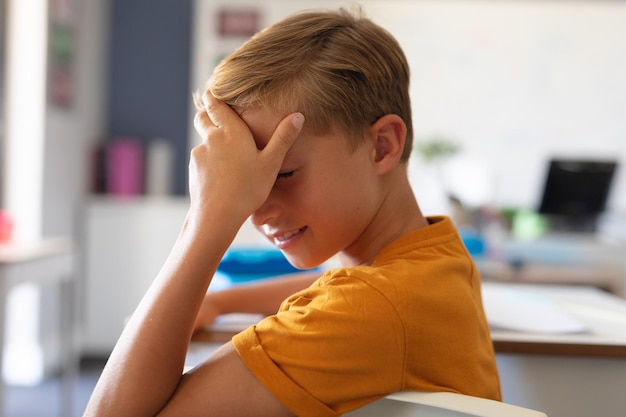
x=575 y=193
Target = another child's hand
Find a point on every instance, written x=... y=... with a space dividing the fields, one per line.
x=208 y=312
x=228 y=173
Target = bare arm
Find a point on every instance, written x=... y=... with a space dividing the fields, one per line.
x=261 y=297
x=229 y=178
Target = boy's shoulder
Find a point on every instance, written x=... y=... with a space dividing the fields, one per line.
x=434 y=250
x=409 y=254
x=439 y=235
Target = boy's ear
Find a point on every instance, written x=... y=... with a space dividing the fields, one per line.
x=389 y=135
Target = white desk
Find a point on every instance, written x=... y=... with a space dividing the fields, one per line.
x=568 y=375
x=604 y=314
x=49 y=261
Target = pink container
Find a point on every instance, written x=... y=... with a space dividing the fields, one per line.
x=125 y=170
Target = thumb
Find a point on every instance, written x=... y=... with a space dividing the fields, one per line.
x=283 y=138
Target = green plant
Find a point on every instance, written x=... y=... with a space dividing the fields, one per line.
x=436 y=148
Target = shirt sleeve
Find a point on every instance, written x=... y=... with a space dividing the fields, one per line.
x=331 y=348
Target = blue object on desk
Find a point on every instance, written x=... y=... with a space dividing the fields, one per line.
x=473 y=241
x=249 y=264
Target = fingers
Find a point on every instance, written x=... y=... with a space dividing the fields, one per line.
x=212 y=113
x=216 y=109
x=208 y=112
x=202 y=123
x=284 y=136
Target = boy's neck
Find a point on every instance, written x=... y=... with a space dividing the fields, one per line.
x=398 y=216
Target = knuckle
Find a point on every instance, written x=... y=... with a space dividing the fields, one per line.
x=196 y=151
x=286 y=140
x=197 y=120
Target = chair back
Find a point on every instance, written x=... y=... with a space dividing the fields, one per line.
x=440 y=404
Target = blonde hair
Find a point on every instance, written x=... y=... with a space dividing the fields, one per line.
x=339 y=69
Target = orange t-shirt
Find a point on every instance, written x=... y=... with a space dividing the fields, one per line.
x=413 y=320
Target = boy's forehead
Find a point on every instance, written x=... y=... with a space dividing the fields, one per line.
x=261 y=121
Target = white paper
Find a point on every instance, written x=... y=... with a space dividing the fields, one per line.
x=234 y=322
x=519 y=310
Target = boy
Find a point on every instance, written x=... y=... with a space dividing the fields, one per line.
x=307 y=130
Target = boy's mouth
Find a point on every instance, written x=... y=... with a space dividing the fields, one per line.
x=283 y=239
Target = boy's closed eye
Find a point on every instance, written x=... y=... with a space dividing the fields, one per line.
x=286 y=174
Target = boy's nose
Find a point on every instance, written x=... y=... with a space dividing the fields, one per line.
x=264 y=214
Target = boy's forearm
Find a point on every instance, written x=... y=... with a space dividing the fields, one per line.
x=146 y=364
x=261 y=297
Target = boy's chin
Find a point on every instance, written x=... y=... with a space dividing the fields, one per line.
x=303 y=263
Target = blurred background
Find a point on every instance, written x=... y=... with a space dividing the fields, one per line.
x=519 y=109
